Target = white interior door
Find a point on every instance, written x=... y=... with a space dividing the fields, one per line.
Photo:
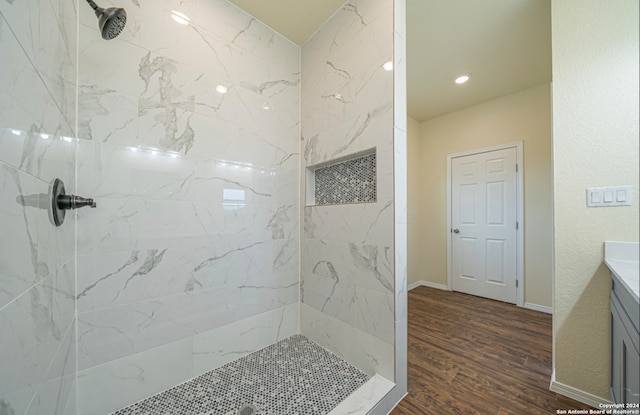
x=483 y=224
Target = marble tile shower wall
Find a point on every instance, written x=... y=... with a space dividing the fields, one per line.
x=191 y=259
x=347 y=251
x=37 y=260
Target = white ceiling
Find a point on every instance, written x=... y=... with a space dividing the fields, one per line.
x=504 y=44
x=294 y=19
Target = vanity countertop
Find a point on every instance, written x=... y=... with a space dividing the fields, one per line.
x=622 y=258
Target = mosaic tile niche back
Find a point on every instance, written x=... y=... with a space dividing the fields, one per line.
x=291 y=377
x=350 y=181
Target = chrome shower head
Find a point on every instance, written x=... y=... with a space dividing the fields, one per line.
x=111 y=21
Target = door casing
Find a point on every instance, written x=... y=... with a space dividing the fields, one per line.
x=518 y=145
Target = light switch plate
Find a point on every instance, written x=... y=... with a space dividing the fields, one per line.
x=609 y=196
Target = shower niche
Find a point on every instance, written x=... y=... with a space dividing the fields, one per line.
x=345 y=180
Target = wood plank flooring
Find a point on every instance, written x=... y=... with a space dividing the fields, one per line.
x=470 y=355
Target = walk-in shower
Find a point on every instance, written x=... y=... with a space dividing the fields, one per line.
x=204 y=261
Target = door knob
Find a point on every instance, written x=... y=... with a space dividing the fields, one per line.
x=456 y=230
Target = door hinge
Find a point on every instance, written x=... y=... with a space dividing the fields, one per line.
x=516 y=283
x=517 y=225
x=516 y=167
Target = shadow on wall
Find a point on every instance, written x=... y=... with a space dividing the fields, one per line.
x=590 y=310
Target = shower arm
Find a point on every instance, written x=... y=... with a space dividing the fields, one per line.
x=94 y=6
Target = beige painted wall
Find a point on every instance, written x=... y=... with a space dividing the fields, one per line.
x=523 y=116
x=595 y=143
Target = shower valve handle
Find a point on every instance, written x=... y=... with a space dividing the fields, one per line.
x=60 y=201
x=73 y=202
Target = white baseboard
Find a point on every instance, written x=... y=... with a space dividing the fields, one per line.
x=575 y=394
x=423 y=283
x=540 y=308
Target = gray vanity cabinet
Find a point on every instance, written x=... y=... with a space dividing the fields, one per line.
x=625 y=354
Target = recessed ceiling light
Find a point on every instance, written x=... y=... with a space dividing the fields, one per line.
x=463 y=78
x=180 y=18
x=388 y=66
x=221 y=89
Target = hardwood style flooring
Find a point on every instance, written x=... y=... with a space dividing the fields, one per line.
x=471 y=355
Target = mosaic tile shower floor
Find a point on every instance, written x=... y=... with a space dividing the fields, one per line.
x=292 y=377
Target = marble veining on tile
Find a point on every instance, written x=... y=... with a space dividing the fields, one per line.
x=198 y=189
x=37 y=266
x=293 y=376
x=348 y=281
